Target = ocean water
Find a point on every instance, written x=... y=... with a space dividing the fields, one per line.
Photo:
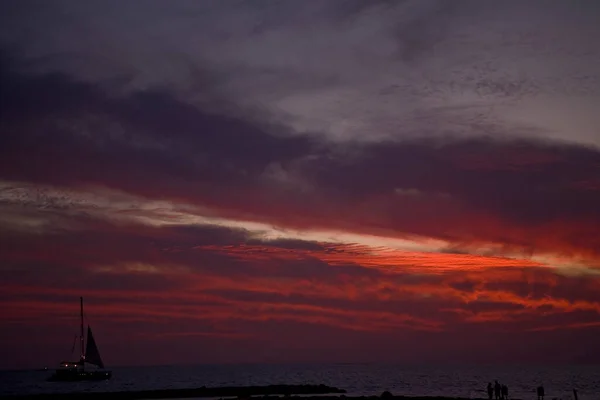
x=357 y=379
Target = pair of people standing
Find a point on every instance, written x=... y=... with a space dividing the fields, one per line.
x=500 y=391
x=540 y=393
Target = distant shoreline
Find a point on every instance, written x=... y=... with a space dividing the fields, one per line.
x=126 y=395
x=202 y=392
x=271 y=392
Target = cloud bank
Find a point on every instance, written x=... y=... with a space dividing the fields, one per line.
x=246 y=184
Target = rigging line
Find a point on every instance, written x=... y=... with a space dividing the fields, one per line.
x=74 y=343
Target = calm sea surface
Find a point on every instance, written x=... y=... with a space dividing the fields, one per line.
x=357 y=379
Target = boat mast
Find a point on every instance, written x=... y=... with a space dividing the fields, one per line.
x=81 y=338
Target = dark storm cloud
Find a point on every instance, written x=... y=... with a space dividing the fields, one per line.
x=75 y=132
x=521 y=179
x=470 y=122
x=57 y=130
x=351 y=70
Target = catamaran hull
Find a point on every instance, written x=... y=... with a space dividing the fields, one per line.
x=78 y=376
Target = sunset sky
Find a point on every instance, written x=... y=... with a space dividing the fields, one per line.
x=300 y=181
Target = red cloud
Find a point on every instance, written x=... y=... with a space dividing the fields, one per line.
x=511 y=197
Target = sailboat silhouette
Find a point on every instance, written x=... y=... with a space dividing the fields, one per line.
x=72 y=371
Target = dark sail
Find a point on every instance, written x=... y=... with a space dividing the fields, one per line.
x=92 y=355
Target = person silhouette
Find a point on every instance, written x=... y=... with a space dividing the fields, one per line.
x=497 y=389
x=540 y=392
x=505 y=392
x=490 y=391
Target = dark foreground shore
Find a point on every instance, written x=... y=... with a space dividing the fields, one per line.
x=234 y=391
x=173 y=394
x=272 y=392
